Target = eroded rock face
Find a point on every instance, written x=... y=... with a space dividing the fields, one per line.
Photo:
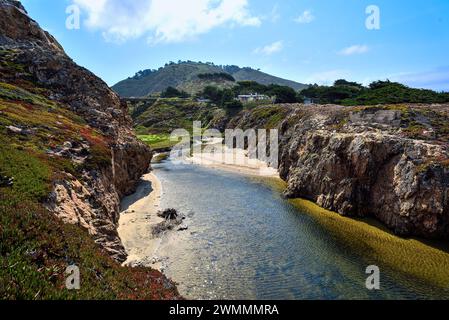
x=389 y=162
x=93 y=201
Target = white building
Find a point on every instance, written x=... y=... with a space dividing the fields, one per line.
x=254 y=97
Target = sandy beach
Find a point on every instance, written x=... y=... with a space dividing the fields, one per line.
x=137 y=219
x=238 y=163
x=138 y=214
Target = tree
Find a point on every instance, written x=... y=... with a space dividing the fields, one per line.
x=171 y=92
x=221 y=98
x=283 y=94
x=343 y=82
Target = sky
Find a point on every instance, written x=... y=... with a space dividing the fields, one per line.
x=309 y=41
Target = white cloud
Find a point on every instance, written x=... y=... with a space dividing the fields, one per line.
x=355 y=49
x=305 y=17
x=164 y=20
x=270 y=49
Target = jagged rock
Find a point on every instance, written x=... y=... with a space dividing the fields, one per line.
x=367 y=162
x=168 y=214
x=166 y=225
x=92 y=202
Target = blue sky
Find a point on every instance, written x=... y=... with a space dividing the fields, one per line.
x=310 y=41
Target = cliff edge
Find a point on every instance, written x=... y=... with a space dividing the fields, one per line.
x=67 y=157
x=91 y=199
x=390 y=162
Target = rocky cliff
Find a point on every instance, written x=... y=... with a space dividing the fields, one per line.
x=96 y=139
x=388 y=162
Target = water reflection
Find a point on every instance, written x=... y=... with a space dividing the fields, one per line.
x=246 y=242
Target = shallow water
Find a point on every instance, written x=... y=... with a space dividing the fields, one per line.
x=245 y=242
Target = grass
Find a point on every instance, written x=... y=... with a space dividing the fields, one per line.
x=270 y=116
x=157 y=141
x=11 y=92
x=32 y=176
x=35 y=247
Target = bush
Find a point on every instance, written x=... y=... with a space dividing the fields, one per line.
x=171 y=92
x=216 y=76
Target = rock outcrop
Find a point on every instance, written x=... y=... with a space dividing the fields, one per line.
x=388 y=162
x=93 y=199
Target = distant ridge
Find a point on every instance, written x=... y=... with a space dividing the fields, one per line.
x=185 y=75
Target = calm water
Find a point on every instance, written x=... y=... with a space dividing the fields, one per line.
x=245 y=242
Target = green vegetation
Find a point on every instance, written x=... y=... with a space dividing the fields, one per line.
x=221 y=98
x=14 y=93
x=409 y=256
x=192 y=77
x=283 y=94
x=380 y=92
x=158 y=118
x=269 y=117
x=171 y=92
x=225 y=98
x=217 y=76
x=7 y=61
x=35 y=246
x=157 y=141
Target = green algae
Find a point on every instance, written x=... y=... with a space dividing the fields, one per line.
x=413 y=257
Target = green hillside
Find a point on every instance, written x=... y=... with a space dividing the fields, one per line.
x=155 y=119
x=189 y=76
x=248 y=74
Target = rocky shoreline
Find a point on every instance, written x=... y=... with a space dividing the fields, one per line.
x=93 y=200
x=387 y=162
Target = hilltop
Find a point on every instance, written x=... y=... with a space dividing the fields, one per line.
x=193 y=77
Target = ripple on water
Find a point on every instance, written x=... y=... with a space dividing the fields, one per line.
x=246 y=242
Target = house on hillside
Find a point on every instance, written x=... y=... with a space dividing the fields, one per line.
x=203 y=100
x=243 y=98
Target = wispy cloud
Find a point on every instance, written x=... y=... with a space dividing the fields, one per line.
x=355 y=49
x=164 y=20
x=305 y=17
x=270 y=49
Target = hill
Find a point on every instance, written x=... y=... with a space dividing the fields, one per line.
x=192 y=77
